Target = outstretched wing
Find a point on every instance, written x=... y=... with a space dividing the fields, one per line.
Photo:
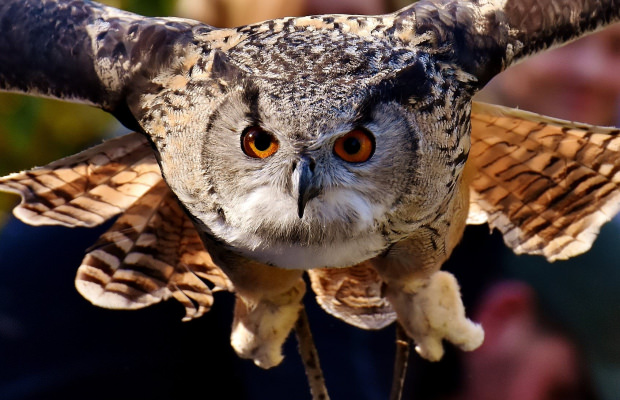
x=151 y=253
x=88 y=188
x=353 y=295
x=547 y=184
x=487 y=36
x=82 y=51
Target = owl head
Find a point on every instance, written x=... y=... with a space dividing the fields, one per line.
x=306 y=148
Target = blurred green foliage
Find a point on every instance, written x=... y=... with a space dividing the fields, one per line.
x=36 y=131
x=151 y=8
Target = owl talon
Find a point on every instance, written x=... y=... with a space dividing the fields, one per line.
x=430 y=348
x=261 y=327
x=434 y=312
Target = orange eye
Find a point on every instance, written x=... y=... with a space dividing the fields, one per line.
x=258 y=143
x=356 y=146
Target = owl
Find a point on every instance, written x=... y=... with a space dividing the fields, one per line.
x=347 y=147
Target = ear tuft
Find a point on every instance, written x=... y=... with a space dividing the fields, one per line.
x=223 y=68
x=408 y=85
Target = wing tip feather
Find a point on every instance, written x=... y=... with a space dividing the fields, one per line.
x=101 y=297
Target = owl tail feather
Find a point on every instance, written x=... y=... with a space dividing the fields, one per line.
x=353 y=294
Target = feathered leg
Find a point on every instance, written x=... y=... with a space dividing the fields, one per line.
x=267 y=306
x=427 y=301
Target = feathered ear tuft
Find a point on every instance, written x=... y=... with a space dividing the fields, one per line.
x=548 y=185
x=88 y=188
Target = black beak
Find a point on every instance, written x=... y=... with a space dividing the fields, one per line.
x=307 y=189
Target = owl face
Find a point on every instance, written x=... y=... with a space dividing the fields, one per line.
x=321 y=166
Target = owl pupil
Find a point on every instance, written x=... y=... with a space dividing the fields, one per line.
x=352 y=145
x=262 y=141
x=257 y=143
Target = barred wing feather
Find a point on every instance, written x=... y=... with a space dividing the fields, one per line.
x=150 y=254
x=547 y=184
x=88 y=188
